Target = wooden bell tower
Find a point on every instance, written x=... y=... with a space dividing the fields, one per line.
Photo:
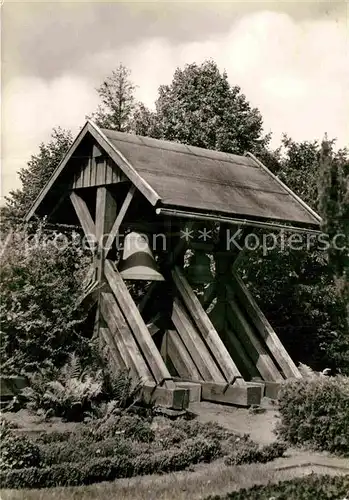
x=217 y=345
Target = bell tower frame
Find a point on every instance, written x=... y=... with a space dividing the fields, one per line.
x=216 y=345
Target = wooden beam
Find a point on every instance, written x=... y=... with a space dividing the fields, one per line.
x=175 y=398
x=137 y=325
x=241 y=394
x=149 y=193
x=122 y=337
x=107 y=339
x=238 y=351
x=105 y=216
x=206 y=328
x=117 y=223
x=180 y=357
x=84 y=216
x=266 y=331
x=191 y=338
x=251 y=343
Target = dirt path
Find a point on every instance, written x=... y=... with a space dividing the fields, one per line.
x=259 y=426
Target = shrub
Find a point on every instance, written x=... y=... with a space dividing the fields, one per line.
x=6 y=428
x=129 y=426
x=250 y=452
x=17 y=452
x=76 y=449
x=107 y=469
x=210 y=430
x=315 y=412
x=306 y=488
x=40 y=285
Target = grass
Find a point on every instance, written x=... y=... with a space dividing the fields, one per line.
x=202 y=481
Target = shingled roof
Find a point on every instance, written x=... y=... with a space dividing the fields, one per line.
x=183 y=177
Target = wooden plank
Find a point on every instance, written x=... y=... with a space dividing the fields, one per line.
x=240 y=393
x=100 y=174
x=175 y=398
x=120 y=217
x=113 y=351
x=79 y=178
x=87 y=173
x=251 y=343
x=194 y=389
x=233 y=344
x=237 y=351
x=123 y=337
x=96 y=151
x=266 y=331
x=137 y=325
x=93 y=174
x=149 y=193
x=201 y=356
x=180 y=357
x=84 y=215
x=105 y=216
x=209 y=333
x=109 y=172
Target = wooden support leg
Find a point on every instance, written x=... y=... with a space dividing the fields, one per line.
x=180 y=357
x=191 y=338
x=240 y=324
x=122 y=339
x=112 y=351
x=265 y=330
x=138 y=327
x=206 y=328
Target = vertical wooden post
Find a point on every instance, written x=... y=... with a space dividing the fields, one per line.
x=105 y=217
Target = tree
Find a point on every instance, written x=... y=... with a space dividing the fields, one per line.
x=201 y=108
x=333 y=190
x=36 y=174
x=118 y=101
x=298 y=289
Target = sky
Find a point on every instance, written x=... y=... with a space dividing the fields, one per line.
x=291 y=60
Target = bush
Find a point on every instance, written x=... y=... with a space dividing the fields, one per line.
x=76 y=449
x=107 y=469
x=40 y=285
x=17 y=452
x=315 y=412
x=129 y=426
x=250 y=452
x=306 y=488
x=210 y=430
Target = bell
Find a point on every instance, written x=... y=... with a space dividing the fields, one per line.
x=138 y=262
x=199 y=270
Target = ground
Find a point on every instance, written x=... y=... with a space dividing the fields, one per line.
x=201 y=480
